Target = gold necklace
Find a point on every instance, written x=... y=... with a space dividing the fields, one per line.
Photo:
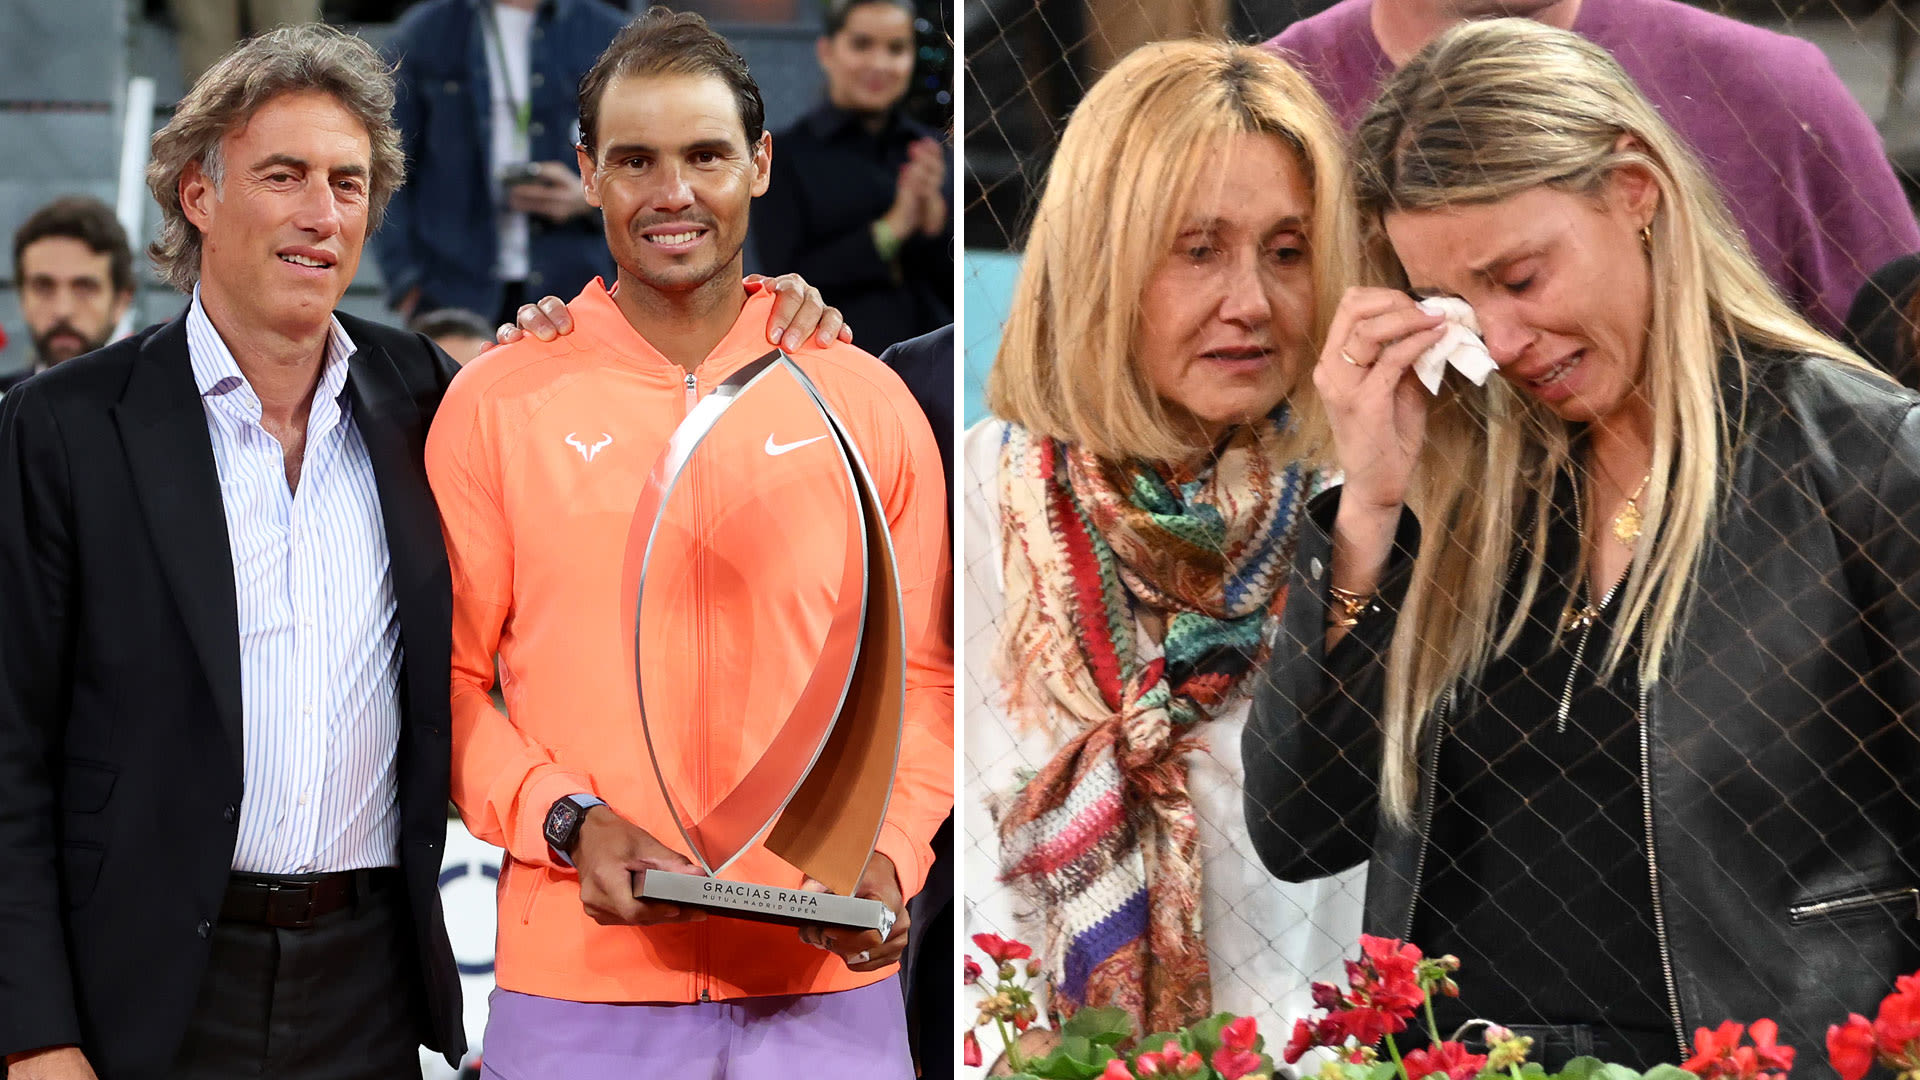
x=1628 y=522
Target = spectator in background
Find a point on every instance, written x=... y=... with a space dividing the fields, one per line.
x=1884 y=322
x=462 y=334
x=74 y=269
x=1796 y=159
x=858 y=203
x=492 y=214
x=208 y=28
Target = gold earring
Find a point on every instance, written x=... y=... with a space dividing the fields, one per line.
x=1646 y=235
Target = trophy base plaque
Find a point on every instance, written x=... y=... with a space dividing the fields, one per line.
x=765 y=903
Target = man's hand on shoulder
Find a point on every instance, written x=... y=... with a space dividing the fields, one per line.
x=610 y=852
x=53 y=1063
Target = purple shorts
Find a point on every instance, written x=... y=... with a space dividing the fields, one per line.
x=851 y=1035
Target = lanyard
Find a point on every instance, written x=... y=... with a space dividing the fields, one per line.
x=522 y=109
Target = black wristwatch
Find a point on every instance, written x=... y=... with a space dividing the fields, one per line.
x=564 y=821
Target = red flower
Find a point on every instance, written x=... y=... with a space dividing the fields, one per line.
x=1898 y=1024
x=1369 y=1026
x=1170 y=1061
x=1450 y=1058
x=970 y=971
x=1239 y=1033
x=1116 y=1070
x=970 y=1050
x=1001 y=950
x=1718 y=1055
x=1709 y=1047
x=1385 y=979
x=1767 y=1051
x=1302 y=1041
x=1233 y=1064
x=1850 y=1047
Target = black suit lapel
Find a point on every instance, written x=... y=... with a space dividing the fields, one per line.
x=163 y=428
x=391 y=427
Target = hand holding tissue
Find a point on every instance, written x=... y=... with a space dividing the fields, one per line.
x=1459 y=346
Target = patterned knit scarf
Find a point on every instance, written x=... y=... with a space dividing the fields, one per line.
x=1102 y=843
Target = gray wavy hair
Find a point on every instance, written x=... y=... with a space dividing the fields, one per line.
x=292 y=59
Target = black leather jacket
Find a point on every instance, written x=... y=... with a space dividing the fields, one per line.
x=1778 y=745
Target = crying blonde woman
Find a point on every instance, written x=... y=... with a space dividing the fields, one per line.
x=1608 y=670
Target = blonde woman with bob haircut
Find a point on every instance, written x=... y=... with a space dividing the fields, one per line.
x=1133 y=510
x=1607 y=670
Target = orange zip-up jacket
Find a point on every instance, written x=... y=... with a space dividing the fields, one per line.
x=537 y=457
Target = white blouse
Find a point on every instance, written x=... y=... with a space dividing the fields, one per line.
x=1267 y=940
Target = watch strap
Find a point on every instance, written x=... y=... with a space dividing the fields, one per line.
x=582 y=802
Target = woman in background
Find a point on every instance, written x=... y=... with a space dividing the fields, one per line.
x=1129 y=520
x=858 y=201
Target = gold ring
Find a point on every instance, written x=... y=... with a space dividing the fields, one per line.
x=1350 y=360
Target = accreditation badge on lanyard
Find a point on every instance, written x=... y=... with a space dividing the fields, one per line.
x=521 y=106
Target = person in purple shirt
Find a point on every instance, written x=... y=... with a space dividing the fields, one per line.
x=1797 y=160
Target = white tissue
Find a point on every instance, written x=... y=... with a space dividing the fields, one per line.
x=1460 y=346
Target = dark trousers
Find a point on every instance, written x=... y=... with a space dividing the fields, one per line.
x=338 y=1000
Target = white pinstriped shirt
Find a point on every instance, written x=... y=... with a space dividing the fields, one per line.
x=319 y=630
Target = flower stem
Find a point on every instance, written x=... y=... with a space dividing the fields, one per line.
x=1397 y=1063
x=1433 y=1028
x=1010 y=1044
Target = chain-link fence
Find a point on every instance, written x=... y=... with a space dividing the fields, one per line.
x=1617 y=858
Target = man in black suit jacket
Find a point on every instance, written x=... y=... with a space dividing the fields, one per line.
x=225 y=629
x=925 y=364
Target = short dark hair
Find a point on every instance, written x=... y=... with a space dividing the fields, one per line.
x=839 y=11
x=451 y=322
x=666 y=42
x=86 y=219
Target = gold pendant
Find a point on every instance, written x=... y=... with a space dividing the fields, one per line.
x=1626 y=524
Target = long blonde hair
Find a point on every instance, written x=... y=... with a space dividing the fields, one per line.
x=1489 y=110
x=1126 y=167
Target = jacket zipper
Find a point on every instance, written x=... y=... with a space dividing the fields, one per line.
x=703 y=974
x=1653 y=859
x=1426 y=819
x=1820 y=908
x=1584 y=619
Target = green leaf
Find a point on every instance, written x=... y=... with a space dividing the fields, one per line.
x=1205 y=1035
x=1590 y=1068
x=1385 y=1070
x=1159 y=1039
x=1668 y=1072
x=1105 y=1026
x=1075 y=1058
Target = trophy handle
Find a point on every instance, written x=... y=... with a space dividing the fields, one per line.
x=833 y=820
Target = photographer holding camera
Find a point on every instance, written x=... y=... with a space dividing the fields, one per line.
x=492 y=214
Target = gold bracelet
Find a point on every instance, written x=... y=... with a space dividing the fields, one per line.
x=1344 y=607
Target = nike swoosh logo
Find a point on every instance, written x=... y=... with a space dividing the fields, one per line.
x=775 y=449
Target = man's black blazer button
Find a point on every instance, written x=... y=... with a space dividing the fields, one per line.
x=205 y=929
x=231 y=813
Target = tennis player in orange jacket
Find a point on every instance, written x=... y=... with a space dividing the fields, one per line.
x=537 y=457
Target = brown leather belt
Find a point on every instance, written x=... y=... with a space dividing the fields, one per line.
x=293 y=902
